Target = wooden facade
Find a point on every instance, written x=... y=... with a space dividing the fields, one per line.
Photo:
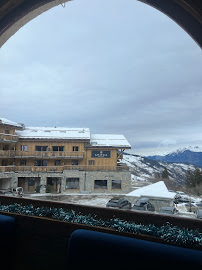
x=22 y=152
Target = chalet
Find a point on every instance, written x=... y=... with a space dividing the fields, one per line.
x=60 y=159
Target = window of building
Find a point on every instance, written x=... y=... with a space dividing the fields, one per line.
x=58 y=148
x=41 y=148
x=57 y=162
x=91 y=162
x=116 y=184
x=31 y=182
x=6 y=147
x=100 y=184
x=75 y=148
x=23 y=147
x=4 y=162
x=75 y=162
x=23 y=162
x=7 y=131
x=41 y=162
x=72 y=183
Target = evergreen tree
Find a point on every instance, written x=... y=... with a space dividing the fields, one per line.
x=165 y=174
x=194 y=178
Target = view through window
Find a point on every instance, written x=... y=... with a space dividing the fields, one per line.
x=109 y=94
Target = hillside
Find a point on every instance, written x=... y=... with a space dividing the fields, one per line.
x=143 y=168
x=186 y=155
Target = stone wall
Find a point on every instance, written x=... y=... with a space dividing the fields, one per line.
x=86 y=180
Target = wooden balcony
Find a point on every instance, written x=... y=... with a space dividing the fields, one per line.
x=41 y=155
x=8 y=138
x=14 y=168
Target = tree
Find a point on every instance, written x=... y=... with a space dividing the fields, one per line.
x=165 y=174
x=194 y=180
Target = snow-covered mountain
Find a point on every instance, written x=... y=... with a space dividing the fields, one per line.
x=189 y=155
x=143 y=168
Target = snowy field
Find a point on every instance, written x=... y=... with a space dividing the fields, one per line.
x=92 y=200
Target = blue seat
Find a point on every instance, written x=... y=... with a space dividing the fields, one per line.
x=92 y=250
x=7 y=240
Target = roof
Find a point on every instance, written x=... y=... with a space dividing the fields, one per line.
x=5 y=121
x=54 y=133
x=158 y=189
x=109 y=140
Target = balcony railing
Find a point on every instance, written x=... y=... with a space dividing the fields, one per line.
x=40 y=154
x=8 y=138
x=14 y=168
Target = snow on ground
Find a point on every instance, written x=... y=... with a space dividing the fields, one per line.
x=99 y=200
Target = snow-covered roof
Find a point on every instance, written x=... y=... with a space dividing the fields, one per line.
x=54 y=133
x=158 y=190
x=8 y=122
x=108 y=140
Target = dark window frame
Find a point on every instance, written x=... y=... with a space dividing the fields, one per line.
x=56 y=148
x=116 y=184
x=74 y=183
x=75 y=148
x=101 y=184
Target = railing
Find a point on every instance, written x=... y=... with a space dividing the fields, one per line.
x=8 y=138
x=14 y=168
x=41 y=154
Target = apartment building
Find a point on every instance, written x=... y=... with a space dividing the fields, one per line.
x=60 y=159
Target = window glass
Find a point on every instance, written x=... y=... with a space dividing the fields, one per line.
x=23 y=147
x=41 y=148
x=22 y=162
x=100 y=184
x=91 y=162
x=75 y=148
x=41 y=162
x=75 y=162
x=116 y=184
x=57 y=162
x=58 y=148
x=72 y=183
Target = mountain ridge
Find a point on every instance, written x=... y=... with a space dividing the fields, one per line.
x=181 y=156
x=144 y=168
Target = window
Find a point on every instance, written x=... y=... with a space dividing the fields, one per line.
x=75 y=148
x=41 y=162
x=72 y=183
x=91 y=162
x=7 y=131
x=75 y=162
x=22 y=162
x=116 y=184
x=31 y=182
x=41 y=148
x=4 y=162
x=23 y=147
x=100 y=184
x=58 y=148
x=57 y=162
x=6 y=147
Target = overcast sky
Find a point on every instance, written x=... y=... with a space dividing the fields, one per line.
x=117 y=67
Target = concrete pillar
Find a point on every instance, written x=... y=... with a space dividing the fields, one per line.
x=43 y=183
x=14 y=181
x=63 y=183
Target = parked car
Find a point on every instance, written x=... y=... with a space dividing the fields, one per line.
x=199 y=213
x=143 y=204
x=199 y=204
x=181 y=197
x=120 y=203
x=168 y=210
